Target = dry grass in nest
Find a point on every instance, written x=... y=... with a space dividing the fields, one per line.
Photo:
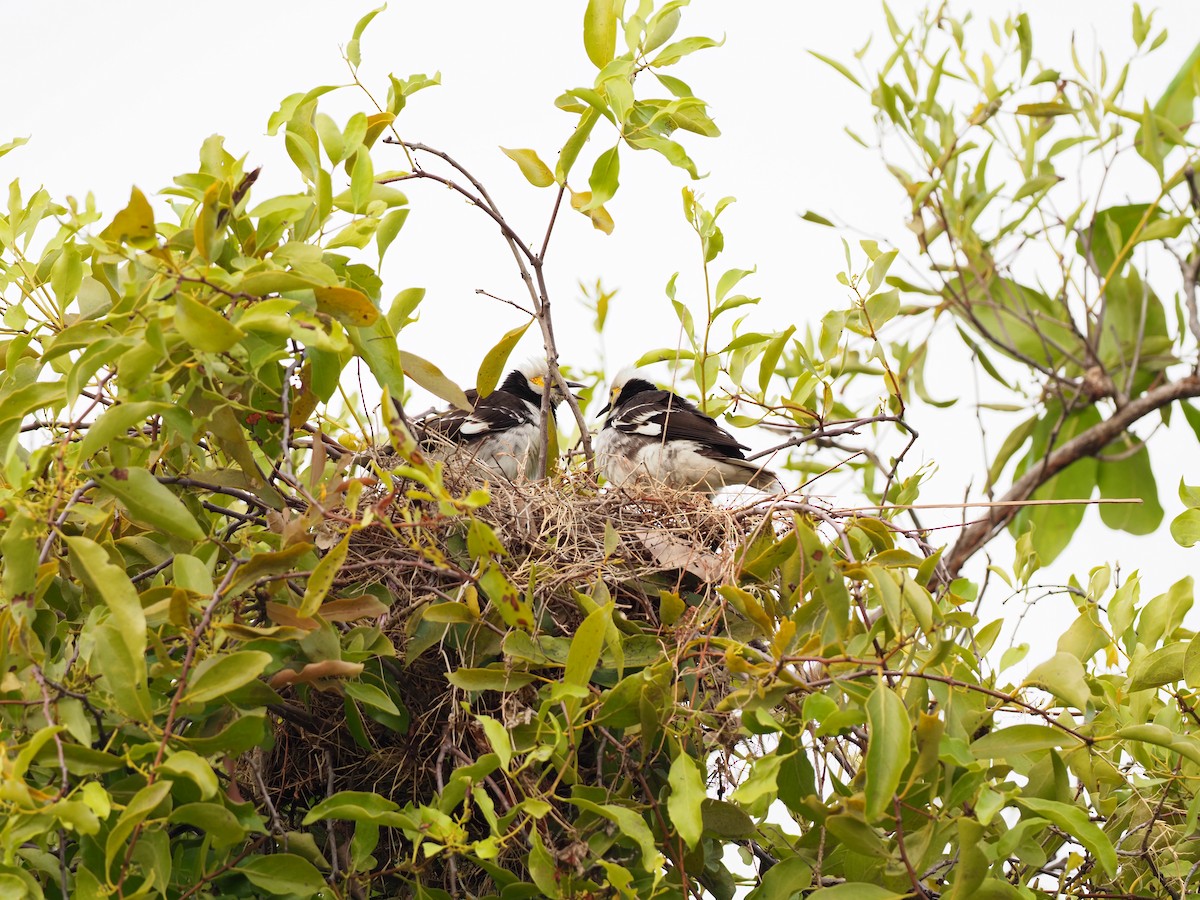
x=560 y=535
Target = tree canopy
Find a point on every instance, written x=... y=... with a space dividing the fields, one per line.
x=255 y=641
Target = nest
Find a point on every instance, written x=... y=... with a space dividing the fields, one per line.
x=560 y=537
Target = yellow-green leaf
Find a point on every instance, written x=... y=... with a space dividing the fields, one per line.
x=535 y=171
x=204 y=328
x=1062 y=675
x=1045 y=109
x=495 y=360
x=92 y=565
x=134 y=224
x=601 y=220
x=322 y=577
x=570 y=150
x=347 y=305
x=430 y=377
x=600 y=31
x=1014 y=740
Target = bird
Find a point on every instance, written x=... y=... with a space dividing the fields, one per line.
x=656 y=436
x=502 y=431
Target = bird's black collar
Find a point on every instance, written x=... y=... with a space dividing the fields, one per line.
x=631 y=388
x=517 y=384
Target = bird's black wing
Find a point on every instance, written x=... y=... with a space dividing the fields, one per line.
x=662 y=415
x=447 y=424
x=498 y=411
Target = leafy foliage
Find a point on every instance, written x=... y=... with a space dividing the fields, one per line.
x=244 y=651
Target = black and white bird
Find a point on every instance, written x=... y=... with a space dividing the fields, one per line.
x=502 y=431
x=655 y=436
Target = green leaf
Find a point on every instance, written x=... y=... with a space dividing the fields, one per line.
x=149 y=502
x=816 y=219
x=498 y=737
x=1025 y=39
x=585 y=652
x=331 y=138
x=1012 y=443
x=66 y=275
x=604 y=178
x=226 y=673
x=784 y=880
x=514 y=607
x=1015 y=740
x=535 y=171
x=489 y=679
x=1185 y=528
x=362 y=180
x=141 y=805
x=351 y=806
x=92 y=565
x=1162 y=229
x=726 y=820
x=193 y=766
x=888 y=749
x=281 y=874
x=1178 y=102
x=600 y=31
x=389 y=227
x=212 y=820
x=673 y=53
x=1162 y=615
x=1163 y=666
x=855 y=890
x=19 y=548
x=8 y=147
x=1055 y=524
x=204 y=328
x=631 y=825
x=570 y=150
x=1036 y=185
x=1063 y=676
x=494 y=361
x=1075 y=821
x=688 y=793
x=841 y=70
x=371 y=695
x=116 y=421
x=353 y=54
x=542 y=868
x=1183 y=744
x=123 y=671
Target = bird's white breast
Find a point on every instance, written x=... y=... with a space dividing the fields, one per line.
x=512 y=452
x=677 y=464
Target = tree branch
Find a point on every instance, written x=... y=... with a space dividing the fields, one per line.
x=1086 y=444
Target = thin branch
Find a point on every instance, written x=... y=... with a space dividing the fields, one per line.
x=511 y=303
x=833 y=429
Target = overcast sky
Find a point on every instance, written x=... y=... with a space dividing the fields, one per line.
x=122 y=93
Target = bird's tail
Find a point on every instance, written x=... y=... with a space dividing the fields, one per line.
x=757 y=477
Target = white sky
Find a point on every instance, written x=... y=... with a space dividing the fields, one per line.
x=124 y=92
